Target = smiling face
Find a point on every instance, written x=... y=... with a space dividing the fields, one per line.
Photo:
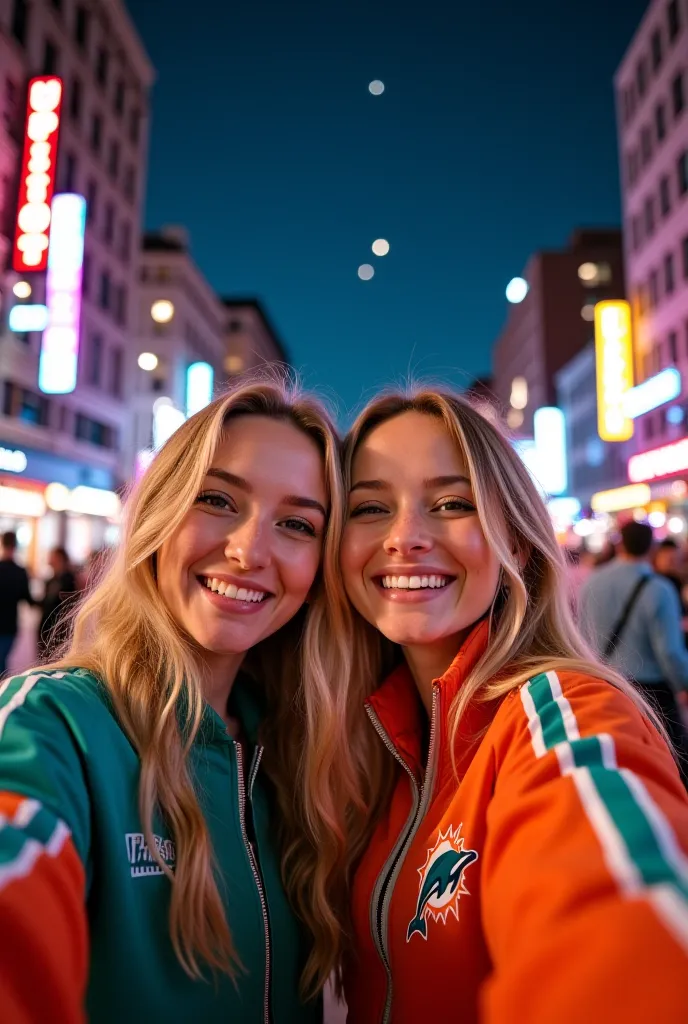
x=246 y=554
x=415 y=560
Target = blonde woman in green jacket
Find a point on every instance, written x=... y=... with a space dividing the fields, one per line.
x=151 y=800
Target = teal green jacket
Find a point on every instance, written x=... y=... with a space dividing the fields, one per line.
x=69 y=817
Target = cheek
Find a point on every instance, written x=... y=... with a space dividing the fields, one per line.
x=354 y=553
x=299 y=569
x=478 y=559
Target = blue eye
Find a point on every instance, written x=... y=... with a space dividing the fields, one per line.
x=211 y=499
x=455 y=505
x=363 y=510
x=299 y=526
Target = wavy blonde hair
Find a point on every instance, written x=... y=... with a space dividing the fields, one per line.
x=125 y=635
x=532 y=628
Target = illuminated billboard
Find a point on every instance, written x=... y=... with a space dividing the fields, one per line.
x=37 y=181
x=614 y=359
x=199 y=387
x=658 y=462
x=655 y=391
x=549 y=430
x=60 y=345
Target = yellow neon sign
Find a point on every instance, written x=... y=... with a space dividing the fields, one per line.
x=621 y=498
x=614 y=358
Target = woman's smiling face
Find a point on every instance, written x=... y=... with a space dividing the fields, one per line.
x=244 y=558
x=415 y=560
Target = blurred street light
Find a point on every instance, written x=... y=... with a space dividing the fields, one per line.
x=162 y=311
x=516 y=290
x=148 y=361
x=22 y=289
x=365 y=272
x=376 y=87
x=380 y=246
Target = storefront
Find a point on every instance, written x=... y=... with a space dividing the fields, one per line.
x=48 y=500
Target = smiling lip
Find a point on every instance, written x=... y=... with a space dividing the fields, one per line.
x=230 y=606
x=418 y=595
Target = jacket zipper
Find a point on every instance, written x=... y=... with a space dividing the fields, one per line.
x=384 y=886
x=252 y=861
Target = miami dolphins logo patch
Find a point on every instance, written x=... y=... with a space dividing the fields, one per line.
x=441 y=881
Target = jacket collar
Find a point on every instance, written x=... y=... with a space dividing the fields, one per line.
x=245 y=703
x=398 y=707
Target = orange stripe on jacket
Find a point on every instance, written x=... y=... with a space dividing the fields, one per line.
x=43 y=929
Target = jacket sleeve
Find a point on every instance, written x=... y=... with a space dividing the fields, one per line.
x=666 y=635
x=585 y=874
x=44 y=817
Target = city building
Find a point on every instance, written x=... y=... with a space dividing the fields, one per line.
x=652 y=113
x=76 y=440
x=552 y=320
x=251 y=340
x=181 y=334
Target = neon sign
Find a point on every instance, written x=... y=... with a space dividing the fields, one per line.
x=614 y=358
x=33 y=317
x=13 y=460
x=549 y=430
x=199 y=387
x=60 y=347
x=621 y=498
x=655 y=391
x=664 y=461
x=37 y=182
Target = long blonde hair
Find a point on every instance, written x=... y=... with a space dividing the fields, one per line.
x=125 y=635
x=532 y=628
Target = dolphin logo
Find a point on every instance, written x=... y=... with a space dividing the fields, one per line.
x=441 y=881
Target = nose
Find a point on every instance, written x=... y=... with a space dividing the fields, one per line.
x=247 y=545
x=407 y=536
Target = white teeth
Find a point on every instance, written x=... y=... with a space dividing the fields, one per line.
x=233 y=592
x=413 y=582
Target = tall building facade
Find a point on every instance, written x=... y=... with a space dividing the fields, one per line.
x=79 y=439
x=251 y=339
x=652 y=113
x=554 y=321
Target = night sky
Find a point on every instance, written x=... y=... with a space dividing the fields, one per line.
x=494 y=137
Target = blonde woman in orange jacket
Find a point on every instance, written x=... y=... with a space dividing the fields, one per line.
x=527 y=858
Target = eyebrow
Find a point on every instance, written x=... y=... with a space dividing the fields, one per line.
x=295 y=500
x=428 y=483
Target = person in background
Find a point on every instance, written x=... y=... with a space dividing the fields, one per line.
x=666 y=562
x=14 y=587
x=53 y=629
x=632 y=616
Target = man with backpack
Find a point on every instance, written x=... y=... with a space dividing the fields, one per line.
x=632 y=617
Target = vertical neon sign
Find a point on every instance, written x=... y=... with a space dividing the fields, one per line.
x=199 y=387
x=37 y=182
x=57 y=368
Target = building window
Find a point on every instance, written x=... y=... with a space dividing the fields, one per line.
x=81 y=27
x=20 y=21
x=660 y=122
x=102 y=63
x=94 y=432
x=656 y=48
x=86 y=275
x=96 y=133
x=117 y=377
x=673 y=19
x=104 y=291
x=669 y=276
x=69 y=173
x=654 y=289
x=12 y=114
x=636 y=233
x=95 y=360
x=641 y=77
x=130 y=182
x=649 y=216
x=109 y=224
x=125 y=241
x=91 y=199
x=134 y=126
x=113 y=159
x=119 y=97
x=75 y=99
x=645 y=146
x=664 y=196
x=678 y=97
x=682 y=168
x=121 y=305
x=50 y=58
x=673 y=347
x=684 y=249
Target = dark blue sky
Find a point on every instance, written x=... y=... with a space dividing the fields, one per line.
x=495 y=137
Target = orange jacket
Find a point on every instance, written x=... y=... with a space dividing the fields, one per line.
x=550 y=886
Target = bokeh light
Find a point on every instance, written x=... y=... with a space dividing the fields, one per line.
x=22 y=289
x=148 y=361
x=365 y=272
x=162 y=311
x=516 y=290
x=380 y=247
x=376 y=87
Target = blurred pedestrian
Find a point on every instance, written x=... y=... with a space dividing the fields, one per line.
x=666 y=562
x=53 y=629
x=632 y=616
x=14 y=588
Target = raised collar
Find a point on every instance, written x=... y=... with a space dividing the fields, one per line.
x=245 y=703
x=399 y=710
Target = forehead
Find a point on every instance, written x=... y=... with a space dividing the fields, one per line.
x=412 y=443
x=271 y=452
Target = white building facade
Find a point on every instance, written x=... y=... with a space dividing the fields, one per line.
x=80 y=439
